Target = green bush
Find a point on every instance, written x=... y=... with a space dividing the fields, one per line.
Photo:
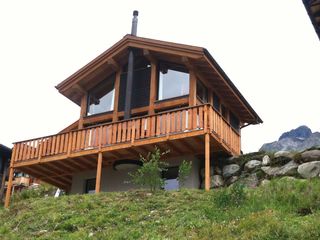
x=149 y=175
x=184 y=172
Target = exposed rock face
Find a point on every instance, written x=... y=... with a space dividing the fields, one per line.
x=309 y=169
x=310 y=155
x=252 y=164
x=297 y=139
x=251 y=180
x=230 y=170
x=283 y=154
x=300 y=132
x=217 y=181
x=265 y=160
x=289 y=169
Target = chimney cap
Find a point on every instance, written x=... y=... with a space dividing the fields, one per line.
x=135 y=13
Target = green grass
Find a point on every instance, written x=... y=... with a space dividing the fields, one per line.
x=284 y=209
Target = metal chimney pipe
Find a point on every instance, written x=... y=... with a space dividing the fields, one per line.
x=127 y=105
x=134 y=23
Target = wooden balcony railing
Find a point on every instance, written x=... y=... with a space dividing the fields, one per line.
x=136 y=129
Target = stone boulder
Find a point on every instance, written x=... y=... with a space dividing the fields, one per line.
x=309 y=169
x=310 y=155
x=217 y=181
x=232 y=180
x=265 y=160
x=250 y=181
x=289 y=169
x=252 y=164
x=286 y=154
x=230 y=170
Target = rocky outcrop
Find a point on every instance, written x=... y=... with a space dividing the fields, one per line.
x=309 y=169
x=298 y=139
x=259 y=168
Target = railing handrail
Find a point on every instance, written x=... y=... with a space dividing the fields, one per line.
x=116 y=122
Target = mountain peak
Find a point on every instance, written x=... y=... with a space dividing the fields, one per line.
x=301 y=132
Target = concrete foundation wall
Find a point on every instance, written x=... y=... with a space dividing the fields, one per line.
x=112 y=180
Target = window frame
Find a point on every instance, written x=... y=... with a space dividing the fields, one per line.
x=173 y=67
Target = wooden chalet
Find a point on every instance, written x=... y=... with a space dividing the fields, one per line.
x=137 y=94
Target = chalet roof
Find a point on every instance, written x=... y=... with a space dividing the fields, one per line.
x=193 y=57
x=313 y=9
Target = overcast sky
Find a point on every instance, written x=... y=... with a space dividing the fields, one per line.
x=269 y=49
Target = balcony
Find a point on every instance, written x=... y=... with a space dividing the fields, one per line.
x=54 y=158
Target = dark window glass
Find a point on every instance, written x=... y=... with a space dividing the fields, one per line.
x=90 y=185
x=101 y=97
x=234 y=121
x=173 y=82
x=224 y=112
x=202 y=92
x=140 y=88
x=216 y=102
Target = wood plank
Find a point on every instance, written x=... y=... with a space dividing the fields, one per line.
x=109 y=137
x=184 y=121
x=207 y=162
x=9 y=188
x=53 y=145
x=78 y=144
x=172 y=122
x=119 y=132
x=153 y=126
x=116 y=96
x=192 y=88
x=153 y=87
x=129 y=130
x=200 y=117
x=189 y=119
x=57 y=144
x=83 y=110
x=124 y=131
x=143 y=124
x=114 y=133
x=194 y=118
x=158 y=128
x=138 y=128
x=99 y=170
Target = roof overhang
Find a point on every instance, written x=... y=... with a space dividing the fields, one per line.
x=313 y=9
x=193 y=57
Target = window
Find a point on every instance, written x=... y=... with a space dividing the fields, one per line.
x=140 y=95
x=202 y=92
x=234 y=121
x=173 y=82
x=101 y=97
x=224 y=112
x=90 y=186
x=171 y=178
x=216 y=102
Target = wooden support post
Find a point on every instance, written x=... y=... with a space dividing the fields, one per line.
x=83 y=110
x=153 y=87
x=207 y=162
x=9 y=187
x=99 y=169
x=192 y=88
x=116 y=96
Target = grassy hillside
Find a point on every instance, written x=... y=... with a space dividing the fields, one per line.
x=283 y=209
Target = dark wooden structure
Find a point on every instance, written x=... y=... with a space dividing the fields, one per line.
x=202 y=113
x=5 y=155
x=313 y=9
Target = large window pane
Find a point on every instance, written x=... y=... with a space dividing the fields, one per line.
x=172 y=83
x=101 y=97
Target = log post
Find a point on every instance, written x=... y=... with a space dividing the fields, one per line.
x=9 y=187
x=207 y=162
x=98 y=176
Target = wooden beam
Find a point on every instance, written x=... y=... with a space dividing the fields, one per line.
x=115 y=66
x=99 y=169
x=153 y=87
x=116 y=96
x=148 y=55
x=192 y=88
x=9 y=187
x=207 y=162
x=83 y=110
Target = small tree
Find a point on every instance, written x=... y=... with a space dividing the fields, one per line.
x=149 y=175
x=184 y=172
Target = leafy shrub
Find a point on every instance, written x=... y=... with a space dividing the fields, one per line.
x=41 y=191
x=149 y=175
x=184 y=171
